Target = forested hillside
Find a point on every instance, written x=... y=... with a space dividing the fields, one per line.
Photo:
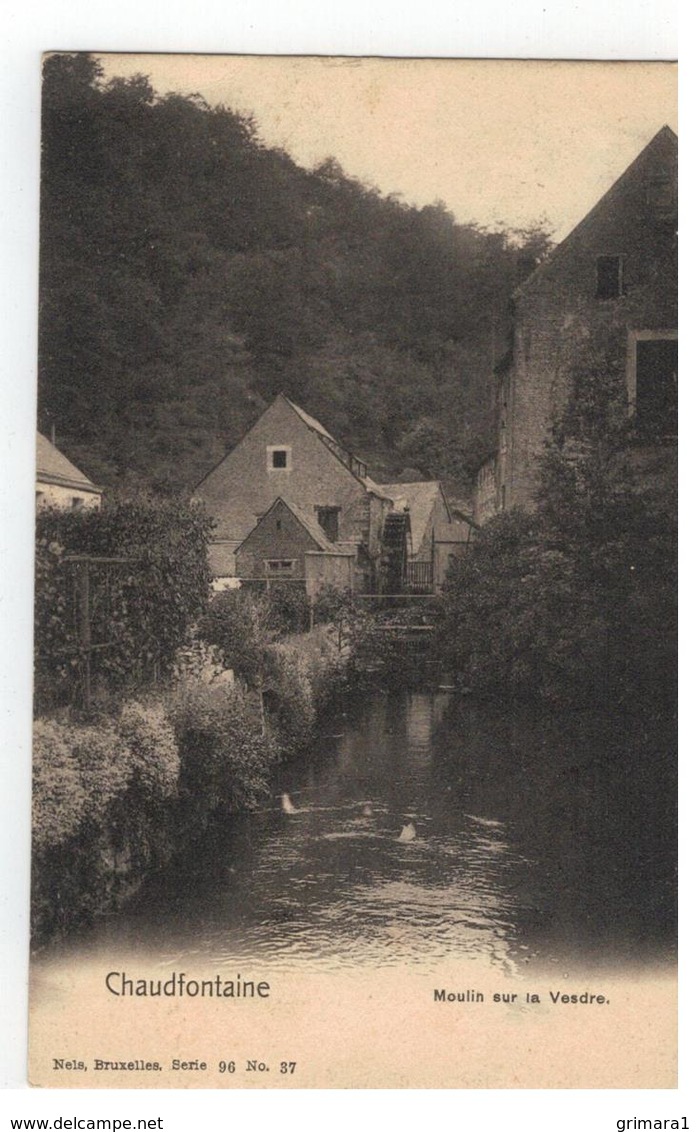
x=189 y=273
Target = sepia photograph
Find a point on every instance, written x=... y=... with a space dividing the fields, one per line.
x=355 y=642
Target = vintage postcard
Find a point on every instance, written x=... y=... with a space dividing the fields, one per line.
x=355 y=665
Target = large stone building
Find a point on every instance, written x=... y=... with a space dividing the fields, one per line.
x=292 y=503
x=59 y=483
x=608 y=289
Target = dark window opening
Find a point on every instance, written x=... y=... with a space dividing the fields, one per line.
x=280 y=565
x=656 y=386
x=328 y=520
x=279 y=457
x=610 y=276
x=662 y=197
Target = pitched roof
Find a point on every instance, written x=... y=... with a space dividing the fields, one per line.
x=421 y=498
x=307 y=521
x=312 y=422
x=316 y=426
x=311 y=524
x=339 y=451
x=665 y=137
x=53 y=467
x=374 y=488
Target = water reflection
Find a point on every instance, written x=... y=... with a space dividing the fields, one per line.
x=536 y=841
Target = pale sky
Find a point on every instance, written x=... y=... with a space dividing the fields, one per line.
x=511 y=141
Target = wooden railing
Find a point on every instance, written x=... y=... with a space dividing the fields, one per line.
x=419 y=577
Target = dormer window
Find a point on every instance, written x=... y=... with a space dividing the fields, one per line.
x=278 y=457
x=610 y=276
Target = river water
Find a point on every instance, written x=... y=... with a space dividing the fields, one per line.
x=540 y=842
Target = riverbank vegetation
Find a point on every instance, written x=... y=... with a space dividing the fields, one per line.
x=103 y=809
x=574 y=603
x=130 y=778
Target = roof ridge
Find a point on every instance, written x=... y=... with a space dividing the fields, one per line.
x=52 y=465
x=320 y=429
x=311 y=421
x=308 y=521
x=313 y=529
x=664 y=132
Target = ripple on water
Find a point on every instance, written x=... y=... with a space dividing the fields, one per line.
x=499 y=869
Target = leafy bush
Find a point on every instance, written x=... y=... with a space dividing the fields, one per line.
x=150 y=738
x=103 y=811
x=141 y=606
x=288 y=673
x=237 y=624
x=197 y=660
x=79 y=771
x=289 y=608
x=58 y=794
x=225 y=756
x=289 y=696
x=82 y=770
x=105 y=765
x=332 y=605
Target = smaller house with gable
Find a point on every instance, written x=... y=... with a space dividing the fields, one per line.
x=59 y=483
x=287 y=544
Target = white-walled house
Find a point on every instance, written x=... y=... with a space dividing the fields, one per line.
x=59 y=483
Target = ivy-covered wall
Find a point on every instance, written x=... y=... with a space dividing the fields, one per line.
x=141 y=606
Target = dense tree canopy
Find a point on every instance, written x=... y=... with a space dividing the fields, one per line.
x=189 y=273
